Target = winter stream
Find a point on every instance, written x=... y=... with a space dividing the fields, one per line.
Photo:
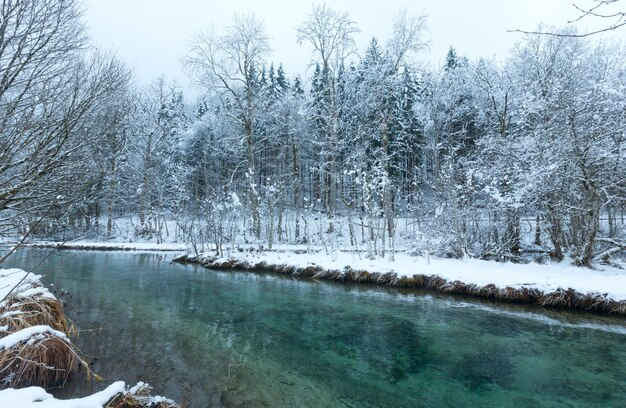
x=238 y=338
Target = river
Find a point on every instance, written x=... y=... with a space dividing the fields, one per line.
x=251 y=339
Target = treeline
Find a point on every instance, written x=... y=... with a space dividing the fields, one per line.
x=371 y=151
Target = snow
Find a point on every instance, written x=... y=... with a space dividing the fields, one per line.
x=11 y=313
x=29 y=333
x=604 y=280
x=113 y=246
x=142 y=393
x=137 y=387
x=36 y=397
x=547 y=278
x=29 y=286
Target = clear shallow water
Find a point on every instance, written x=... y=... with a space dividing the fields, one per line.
x=242 y=339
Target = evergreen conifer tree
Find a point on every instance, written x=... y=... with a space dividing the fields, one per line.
x=282 y=82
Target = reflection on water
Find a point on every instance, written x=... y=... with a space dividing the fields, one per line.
x=236 y=338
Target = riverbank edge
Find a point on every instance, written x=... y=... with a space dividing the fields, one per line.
x=559 y=299
x=108 y=247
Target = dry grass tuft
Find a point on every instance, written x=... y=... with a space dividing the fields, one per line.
x=286 y=269
x=418 y=281
x=326 y=274
x=489 y=291
x=125 y=401
x=365 y=277
x=456 y=287
x=389 y=278
x=20 y=313
x=560 y=298
x=44 y=360
x=619 y=308
x=307 y=271
x=139 y=398
x=435 y=282
x=473 y=289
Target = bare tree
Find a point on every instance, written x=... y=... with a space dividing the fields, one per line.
x=228 y=66
x=329 y=32
x=601 y=9
x=49 y=84
x=116 y=125
x=408 y=38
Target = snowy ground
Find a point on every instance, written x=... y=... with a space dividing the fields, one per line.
x=36 y=397
x=21 y=283
x=604 y=280
x=112 y=246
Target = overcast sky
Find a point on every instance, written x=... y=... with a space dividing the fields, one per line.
x=152 y=35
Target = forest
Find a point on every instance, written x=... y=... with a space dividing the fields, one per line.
x=369 y=150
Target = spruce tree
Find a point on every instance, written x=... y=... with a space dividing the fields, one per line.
x=282 y=83
x=296 y=89
x=451 y=60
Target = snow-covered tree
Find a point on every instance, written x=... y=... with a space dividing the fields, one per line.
x=330 y=34
x=228 y=66
x=50 y=85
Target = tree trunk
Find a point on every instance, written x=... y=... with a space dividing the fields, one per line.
x=537 y=231
x=556 y=234
x=512 y=238
x=252 y=188
x=296 y=187
x=592 y=226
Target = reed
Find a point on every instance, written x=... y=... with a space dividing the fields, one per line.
x=44 y=360
x=18 y=313
x=139 y=397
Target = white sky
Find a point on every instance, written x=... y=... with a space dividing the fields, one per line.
x=152 y=35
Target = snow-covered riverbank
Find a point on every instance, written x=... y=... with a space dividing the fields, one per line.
x=561 y=285
x=601 y=289
x=110 y=246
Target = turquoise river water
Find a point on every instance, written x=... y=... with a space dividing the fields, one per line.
x=262 y=340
